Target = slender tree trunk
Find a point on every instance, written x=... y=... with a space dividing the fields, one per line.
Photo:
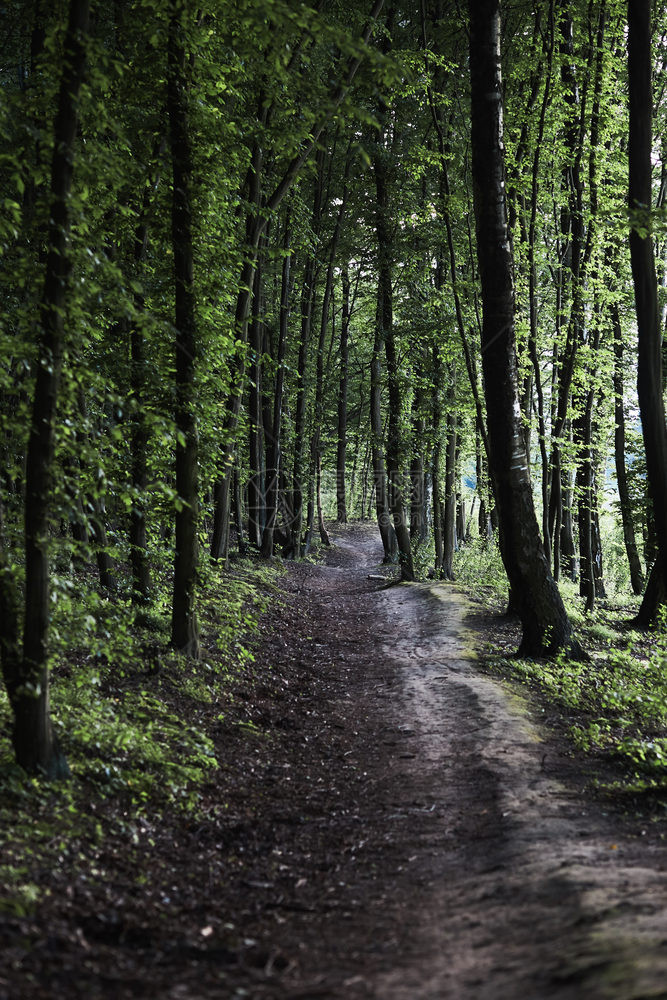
x=238 y=511
x=436 y=409
x=572 y=229
x=253 y=232
x=546 y=627
x=324 y=534
x=341 y=449
x=596 y=545
x=449 y=512
x=385 y=526
x=483 y=519
x=184 y=628
x=649 y=370
x=255 y=482
x=418 y=486
x=316 y=456
x=28 y=687
x=301 y=409
x=386 y=320
x=139 y=432
x=301 y=404
x=636 y=574
x=582 y=426
x=273 y=451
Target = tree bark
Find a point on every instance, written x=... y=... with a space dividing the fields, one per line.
x=449 y=511
x=649 y=369
x=256 y=488
x=386 y=320
x=34 y=743
x=629 y=539
x=273 y=451
x=301 y=403
x=546 y=627
x=139 y=433
x=184 y=628
x=341 y=448
x=386 y=528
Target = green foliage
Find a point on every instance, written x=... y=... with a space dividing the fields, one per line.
x=134 y=719
x=615 y=704
x=479 y=569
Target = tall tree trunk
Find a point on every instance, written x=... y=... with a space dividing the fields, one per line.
x=321 y=527
x=139 y=432
x=649 y=369
x=568 y=560
x=238 y=510
x=28 y=681
x=386 y=320
x=386 y=528
x=301 y=404
x=636 y=574
x=582 y=427
x=546 y=627
x=341 y=448
x=572 y=230
x=418 y=530
x=184 y=628
x=254 y=226
x=95 y=503
x=449 y=512
x=256 y=480
x=273 y=451
x=436 y=410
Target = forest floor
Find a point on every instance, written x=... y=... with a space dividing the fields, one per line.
x=390 y=822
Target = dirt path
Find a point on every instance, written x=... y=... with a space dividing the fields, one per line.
x=386 y=823
x=444 y=849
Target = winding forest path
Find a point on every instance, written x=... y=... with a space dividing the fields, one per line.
x=435 y=844
x=386 y=822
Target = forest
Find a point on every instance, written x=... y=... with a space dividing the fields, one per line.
x=273 y=271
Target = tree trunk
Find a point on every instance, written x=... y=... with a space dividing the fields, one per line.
x=546 y=627
x=324 y=534
x=582 y=426
x=655 y=597
x=184 y=628
x=273 y=451
x=256 y=480
x=139 y=432
x=386 y=320
x=572 y=231
x=436 y=410
x=301 y=404
x=387 y=533
x=253 y=230
x=341 y=449
x=449 y=512
x=238 y=511
x=636 y=574
x=649 y=370
x=28 y=687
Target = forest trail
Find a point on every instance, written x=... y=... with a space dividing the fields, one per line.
x=475 y=862
x=386 y=822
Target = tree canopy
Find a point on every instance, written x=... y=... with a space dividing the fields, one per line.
x=252 y=280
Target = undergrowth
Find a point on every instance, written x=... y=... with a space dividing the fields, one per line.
x=133 y=717
x=615 y=704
